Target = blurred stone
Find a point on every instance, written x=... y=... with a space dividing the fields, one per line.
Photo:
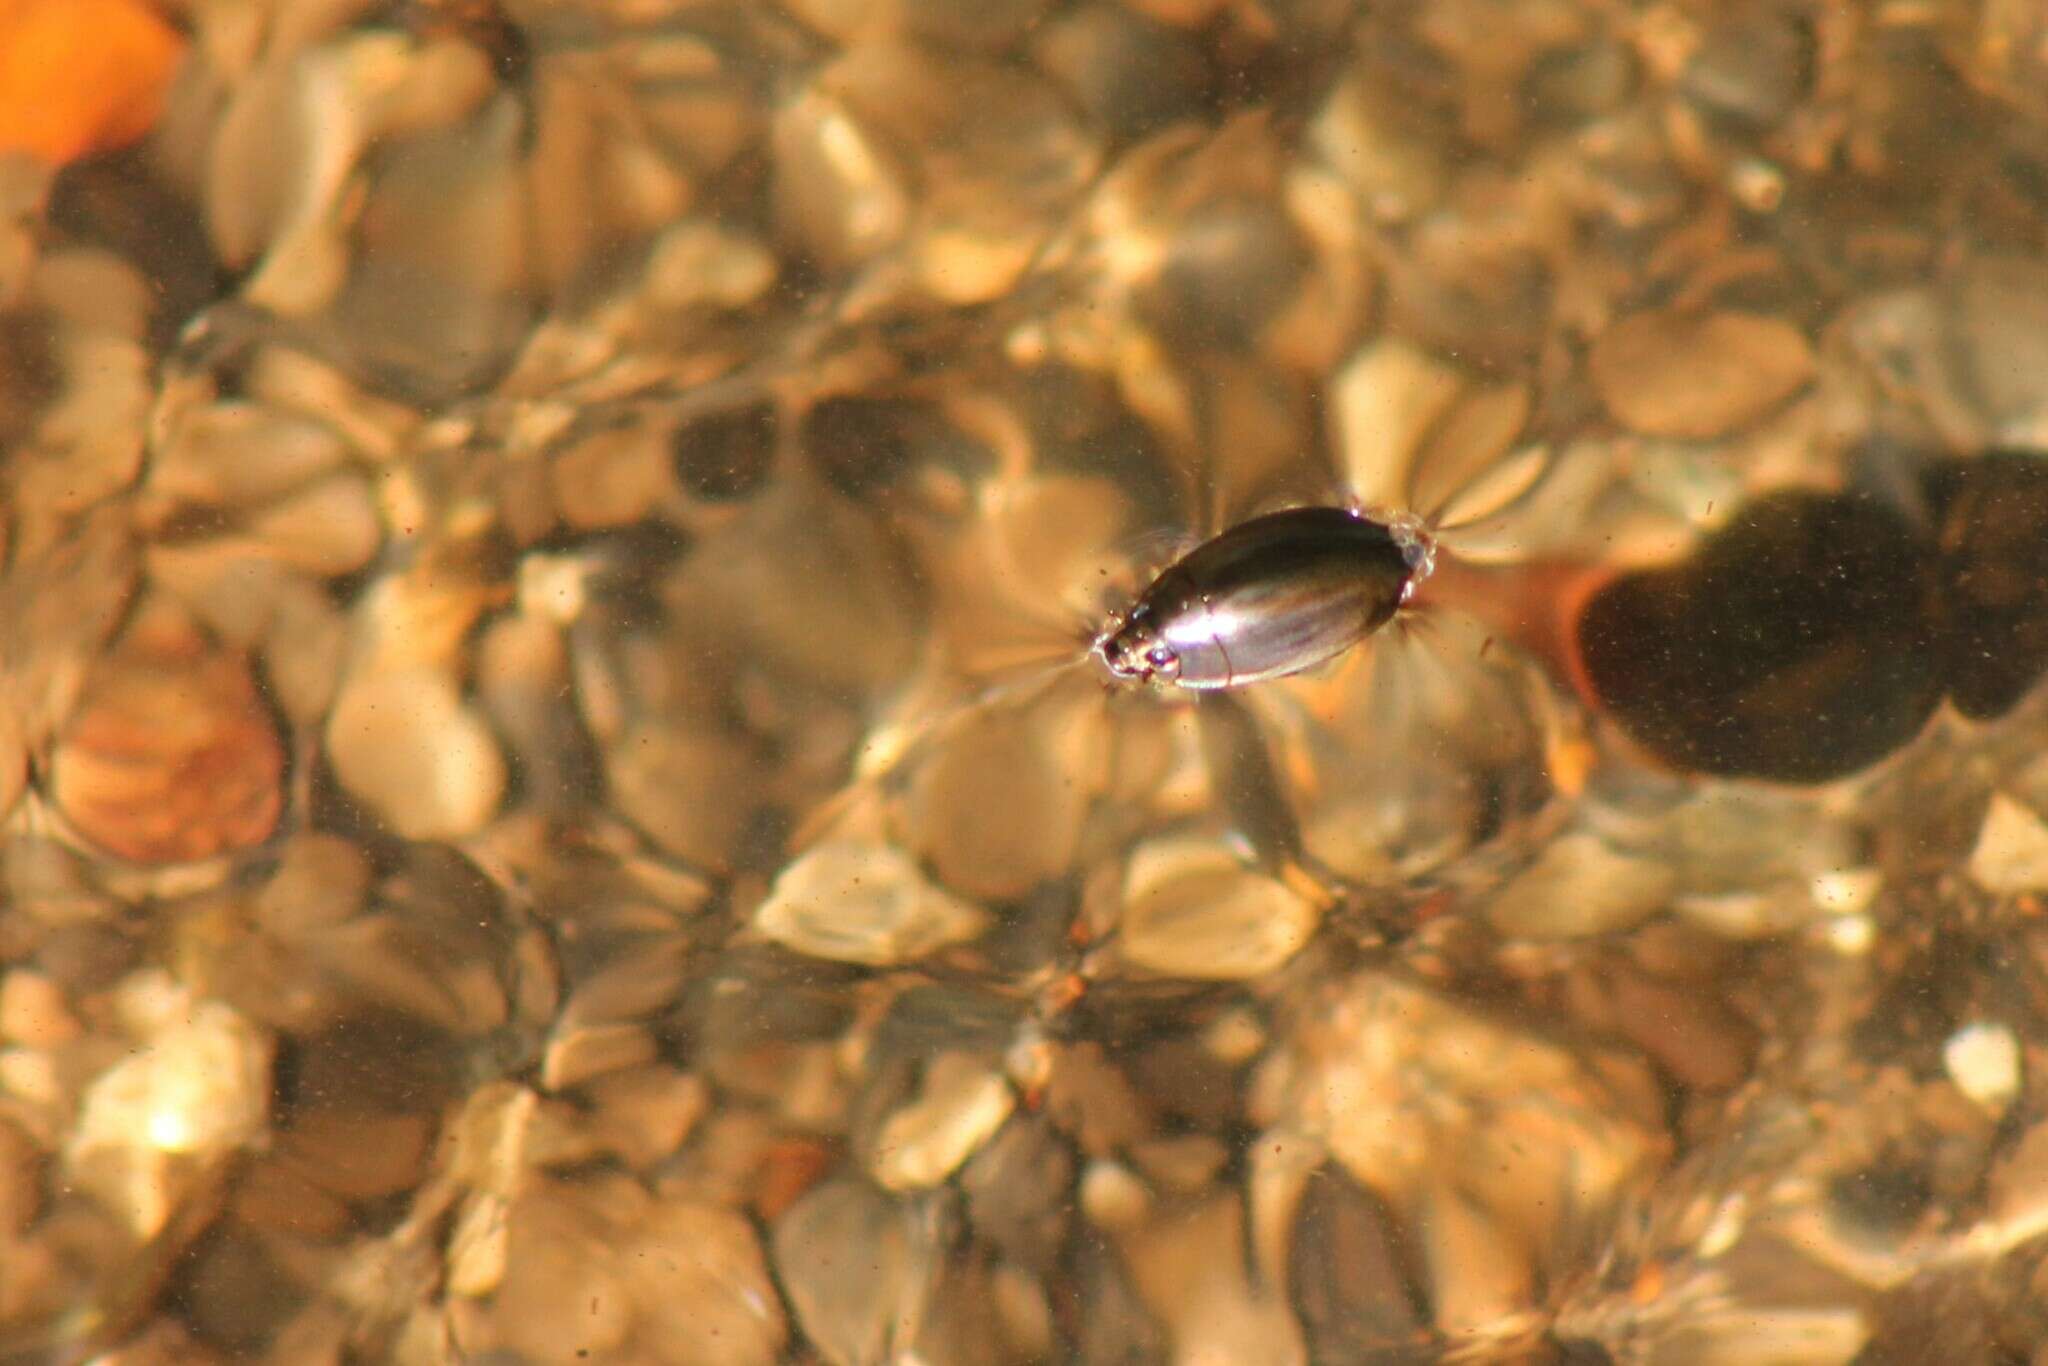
x=1480 y=1277
x=1694 y=377
x=687 y=786
x=852 y=1270
x=804 y=585
x=155 y=1128
x=1132 y=74
x=2001 y=330
x=726 y=455
x=996 y=762
x=644 y=1114
x=171 y=756
x=1184 y=1164
x=33 y=1012
x=576 y=1056
x=13 y=756
x=1345 y=1272
x=839 y=188
x=600 y=1269
x=328 y=528
x=697 y=262
x=21 y=1180
x=406 y=745
x=1019 y=1190
x=858 y=903
x=1751 y=68
x=240 y=453
x=1389 y=152
x=959 y=1106
x=1191 y=909
x=1983 y=1060
x=2011 y=857
x=1191 y=1272
x=321 y=880
x=1471 y=1128
x=887 y=116
x=1580 y=887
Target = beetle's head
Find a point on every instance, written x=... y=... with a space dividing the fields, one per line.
x=1131 y=650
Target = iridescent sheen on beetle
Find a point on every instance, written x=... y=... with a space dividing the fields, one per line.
x=1269 y=597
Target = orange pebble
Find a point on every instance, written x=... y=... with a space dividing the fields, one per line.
x=81 y=76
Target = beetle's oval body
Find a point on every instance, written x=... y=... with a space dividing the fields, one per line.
x=1269 y=597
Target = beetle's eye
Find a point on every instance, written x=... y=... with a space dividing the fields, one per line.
x=1159 y=657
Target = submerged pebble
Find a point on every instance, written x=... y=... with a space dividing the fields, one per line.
x=558 y=806
x=172 y=755
x=863 y=903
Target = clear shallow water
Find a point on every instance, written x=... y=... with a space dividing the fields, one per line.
x=556 y=809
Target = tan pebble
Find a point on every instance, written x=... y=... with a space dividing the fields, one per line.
x=375 y=427
x=1181 y=1162
x=1697 y=1040
x=1384 y=402
x=1394 y=1078
x=405 y=744
x=960 y=1107
x=328 y=529
x=13 y=755
x=274 y=1197
x=1370 y=139
x=809 y=587
x=21 y=1179
x=241 y=453
x=1579 y=887
x=1984 y=1060
x=1024 y=1310
x=588 y=1051
x=689 y=787
x=645 y=1114
x=31 y=1075
x=2011 y=856
x=850 y=1270
x=838 y=189
x=152 y=1128
x=1113 y=1196
x=1094 y=1101
x=303 y=651
x=995 y=810
x=1191 y=1272
x=229 y=582
x=1479 y=1273
x=863 y=903
x=1236 y=1037
x=321 y=880
x=1692 y=377
x=478 y=1244
x=491 y=1136
x=696 y=262
x=563 y=1291
x=2002 y=336
x=33 y=1011
x=171 y=756
x=613 y=477
x=1191 y=909
x=702 y=1286
x=2016 y=1190
x=358 y=1155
